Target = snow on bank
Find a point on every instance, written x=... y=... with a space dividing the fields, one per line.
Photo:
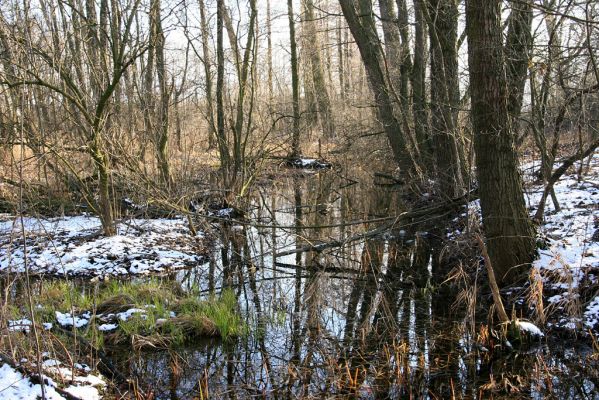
x=73 y=246
x=570 y=263
x=14 y=385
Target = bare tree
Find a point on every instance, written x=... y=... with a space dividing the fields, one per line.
x=86 y=90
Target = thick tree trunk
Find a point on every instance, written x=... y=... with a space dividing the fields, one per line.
x=508 y=229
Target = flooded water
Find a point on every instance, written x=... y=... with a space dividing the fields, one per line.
x=338 y=307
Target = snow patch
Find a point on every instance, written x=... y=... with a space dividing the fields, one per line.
x=529 y=328
x=74 y=246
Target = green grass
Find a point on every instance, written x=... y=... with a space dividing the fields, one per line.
x=195 y=317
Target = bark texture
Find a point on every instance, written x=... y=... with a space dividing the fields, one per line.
x=508 y=229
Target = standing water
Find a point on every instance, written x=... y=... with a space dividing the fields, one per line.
x=338 y=307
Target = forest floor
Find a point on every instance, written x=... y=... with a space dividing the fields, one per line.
x=568 y=267
x=74 y=246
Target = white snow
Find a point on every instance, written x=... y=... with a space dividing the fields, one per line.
x=591 y=313
x=107 y=327
x=84 y=392
x=20 y=325
x=67 y=319
x=13 y=385
x=571 y=260
x=125 y=315
x=529 y=328
x=225 y=212
x=74 y=246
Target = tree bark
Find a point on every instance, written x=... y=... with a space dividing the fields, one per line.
x=163 y=110
x=508 y=229
x=269 y=51
x=517 y=53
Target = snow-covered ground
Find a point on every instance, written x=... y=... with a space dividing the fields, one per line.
x=569 y=266
x=82 y=385
x=73 y=246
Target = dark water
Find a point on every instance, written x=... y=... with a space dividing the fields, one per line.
x=365 y=317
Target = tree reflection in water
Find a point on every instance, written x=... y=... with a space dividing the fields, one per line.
x=366 y=319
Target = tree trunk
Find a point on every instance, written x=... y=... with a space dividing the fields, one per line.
x=238 y=139
x=163 y=111
x=323 y=102
x=405 y=60
x=269 y=52
x=392 y=43
x=363 y=29
x=295 y=136
x=445 y=95
x=340 y=60
x=517 y=52
x=208 y=75
x=418 y=76
x=508 y=229
x=220 y=78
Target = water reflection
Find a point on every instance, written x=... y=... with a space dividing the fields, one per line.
x=359 y=320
